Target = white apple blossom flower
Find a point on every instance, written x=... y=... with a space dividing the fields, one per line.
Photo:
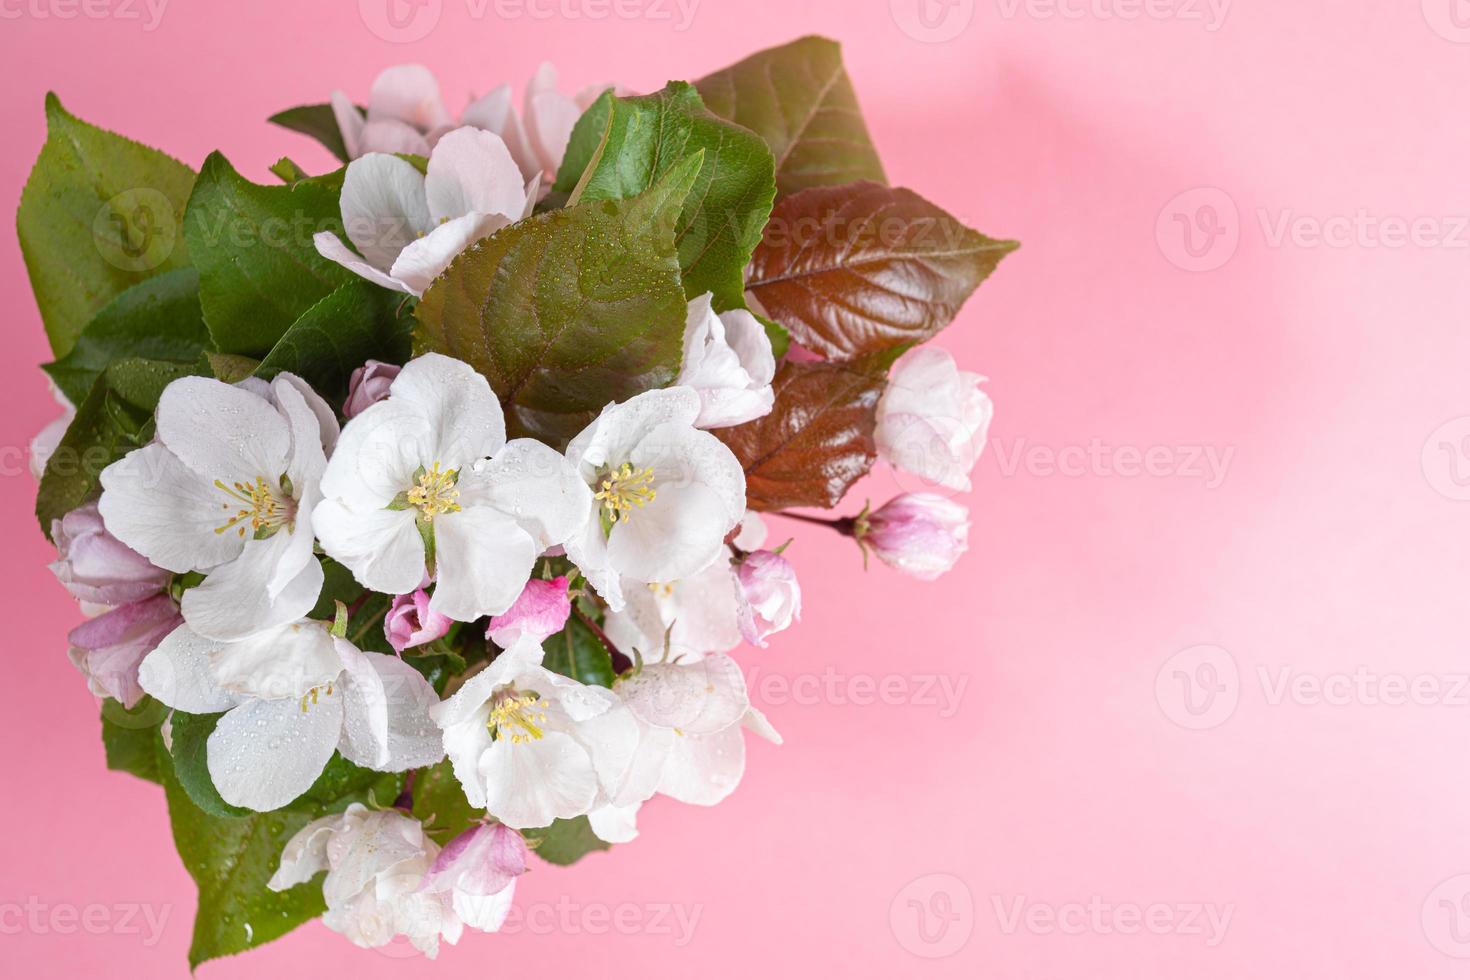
x=404 y=107
x=409 y=491
x=770 y=596
x=537 y=137
x=291 y=698
x=409 y=226
x=531 y=746
x=665 y=493
x=375 y=861
x=728 y=361
x=933 y=418
x=693 y=616
x=228 y=488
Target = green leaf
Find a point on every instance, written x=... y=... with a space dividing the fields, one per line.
x=567 y=841
x=158 y=319
x=577 y=653
x=798 y=98
x=568 y=310
x=232 y=858
x=439 y=803
x=289 y=170
x=258 y=268
x=722 y=217
x=355 y=322
x=189 y=749
x=99 y=213
x=317 y=121
x=115 y=418
x=130 y=737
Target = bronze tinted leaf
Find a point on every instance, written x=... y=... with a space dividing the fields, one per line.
x=864 y=268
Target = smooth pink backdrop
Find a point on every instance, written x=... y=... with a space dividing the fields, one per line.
x=1332 y=832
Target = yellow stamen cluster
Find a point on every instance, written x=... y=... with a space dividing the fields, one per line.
x=524 y=712
x=311 y=696
x=263 y=510
x=624 y=489
x=435 y=493
x=663 y=590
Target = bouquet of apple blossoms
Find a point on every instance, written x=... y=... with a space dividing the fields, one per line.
x=417 y=503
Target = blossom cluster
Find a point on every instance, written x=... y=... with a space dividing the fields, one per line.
x=409 y=574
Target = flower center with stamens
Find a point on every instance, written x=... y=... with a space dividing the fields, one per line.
x=259 y=508
x=518 y=717
x=622 y=490
x=435 y=493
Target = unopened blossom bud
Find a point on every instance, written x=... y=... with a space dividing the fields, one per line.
x=729 y=363
x=108 y=649
x=411 y=623
x=541 y=610
x=96 y=567
x=920 y=534
x=369 y=385
x=479 y=869
x=933 y=418
x=770 y=598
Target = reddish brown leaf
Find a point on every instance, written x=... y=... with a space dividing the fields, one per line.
x=816 y=442
x=863 y=268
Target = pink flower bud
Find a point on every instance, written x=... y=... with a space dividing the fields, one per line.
x=484 y=860
x=770 y=598
x=541 y=610
x=108 y=649
x=411 y=623
x=96 y=567
x=369 y=385
x=920 y=534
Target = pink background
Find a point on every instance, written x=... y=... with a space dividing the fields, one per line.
x=1332 y=832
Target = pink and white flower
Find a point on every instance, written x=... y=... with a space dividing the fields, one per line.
x=109 y=649
x=404 y=108
x=478 y=870
x=408 y=226
x=542 y=610
x=933 y=418
x=411 y=623
x=728 y=361
x=368 y=386
x=538 y=136
x=97 y=568
x=920 y=534
x=693 y=616
x=770 y=597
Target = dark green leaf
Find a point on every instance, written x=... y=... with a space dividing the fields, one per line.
x=567 y=841
x=355 y=322
x=316 y=121
x=232 y=858
x=577 y=653
x=289 y=170
x=130 y=737
x=158 y=319
x=798 y=98
x=641 y=139
x=568 y=310
x=258 y=268
x=99 y=213
x=189 y=749
x=115 y=418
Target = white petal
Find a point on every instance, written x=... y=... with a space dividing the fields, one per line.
x=689 y=456
x=349 y=123
x=463 y=413
x=612 y=437
x=615 y=824
x=538 y=487
x=550 y=118
x=376 y=687
x=697 y=699
x=484 y=560
x=490 y=111
x=235 y=601
x=313 y=426
x=680 y=533
x=377 y=456
x=177 y=673
x=329 y=246
x=466 y=743
x=264 y=754
x=757 y=722
x=588 y=551
x=383 y=206
x=472 y=171
x=382 y=548
x=704 y=769
x=305 y=854
x=421 y=261
x=408 y=93
x=485 y=912
x=533 y=783
x=223 y=432
x=165 y=511
x=281 y=663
